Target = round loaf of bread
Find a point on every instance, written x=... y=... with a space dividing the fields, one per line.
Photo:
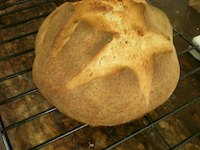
x=106 y=62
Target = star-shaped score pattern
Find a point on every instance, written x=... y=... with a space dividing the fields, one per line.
x=125 y=52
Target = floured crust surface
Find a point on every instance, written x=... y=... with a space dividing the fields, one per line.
x=106 y=62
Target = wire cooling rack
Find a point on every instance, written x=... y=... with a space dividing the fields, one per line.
x=9 y=8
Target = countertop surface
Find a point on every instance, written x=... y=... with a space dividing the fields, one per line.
x=18 y=31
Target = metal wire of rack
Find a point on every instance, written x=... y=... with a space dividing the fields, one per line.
x=151 y=123
x=13 y=4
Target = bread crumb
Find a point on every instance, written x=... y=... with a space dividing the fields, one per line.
x=163 y=125
x=91 y=145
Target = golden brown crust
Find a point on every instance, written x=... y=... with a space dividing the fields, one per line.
x=106 y=62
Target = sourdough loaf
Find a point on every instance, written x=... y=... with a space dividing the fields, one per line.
x=106 y=62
